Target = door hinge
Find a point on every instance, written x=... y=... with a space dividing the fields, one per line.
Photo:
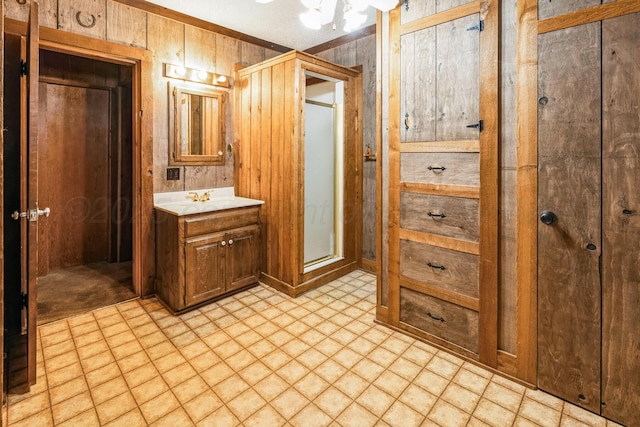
x=479 y=126
x=23 y=68
x=406 y=5
x=479 y=27
x=24 y=300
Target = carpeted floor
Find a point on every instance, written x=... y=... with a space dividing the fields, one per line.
x=77 y=290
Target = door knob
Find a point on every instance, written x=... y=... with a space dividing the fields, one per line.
x=548 y=217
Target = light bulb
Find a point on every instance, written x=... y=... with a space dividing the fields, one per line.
x=384 y=5
x=202 y=75
x=181 y=71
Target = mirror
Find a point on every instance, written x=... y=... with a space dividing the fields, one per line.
x=196 y=122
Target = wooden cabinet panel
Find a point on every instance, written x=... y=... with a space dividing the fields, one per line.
x=569 y=185
x=458 y=83
x=416 y=10
x=459 y=168
x=447 y=216
x=218 y=221
x=205 y=264
x=243 y=261
x=87 y=17
x=451 y=270
x=418 y=91
x=448 y=321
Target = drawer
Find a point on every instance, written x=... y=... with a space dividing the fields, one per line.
x=451 y=270
x=440 y=318
x=220 y=221
x=459 y=168
x=421 y=212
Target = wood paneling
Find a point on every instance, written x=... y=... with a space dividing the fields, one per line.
x=547 y=9
x=270 y=148
x=569 y=185
x=526 y=190
x=126 y=25
x=87 y=17
x=47 y=15
x=2 y=210
x=76 y=130
x=620 y=218
x=589 y=15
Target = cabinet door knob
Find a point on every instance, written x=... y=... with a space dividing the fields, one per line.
x=223 y=243
x=230 y=242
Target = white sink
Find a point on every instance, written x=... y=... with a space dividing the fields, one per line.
x=178 y=203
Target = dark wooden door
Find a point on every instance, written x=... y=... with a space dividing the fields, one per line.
x=621 y=219
x=569 y=187
x=29 y=209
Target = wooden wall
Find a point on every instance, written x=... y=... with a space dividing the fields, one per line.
x=170 y=41
x=362 y=52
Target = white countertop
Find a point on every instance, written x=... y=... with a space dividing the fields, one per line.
x=178 y=203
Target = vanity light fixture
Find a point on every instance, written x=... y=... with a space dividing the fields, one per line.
x=195 y=75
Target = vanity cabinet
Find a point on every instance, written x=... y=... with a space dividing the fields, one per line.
x=206 y=255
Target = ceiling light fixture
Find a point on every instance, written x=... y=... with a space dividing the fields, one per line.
x=322 y=12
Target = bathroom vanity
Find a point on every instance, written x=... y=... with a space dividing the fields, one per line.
x=205 y=249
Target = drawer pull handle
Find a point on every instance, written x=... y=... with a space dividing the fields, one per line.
x=436 y=215
x=437 y=168
x=441 y=267
x=223 y=243
x=407 y=122
x=628 y=212
x=439 y=319
x=230 y=242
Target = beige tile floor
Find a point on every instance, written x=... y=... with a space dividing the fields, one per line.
x=260 y=358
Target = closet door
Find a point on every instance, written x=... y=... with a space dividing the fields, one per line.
x=621 y=219
x=569 y=176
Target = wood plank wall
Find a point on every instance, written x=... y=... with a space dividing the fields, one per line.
x=362 y=52
x=171 y=41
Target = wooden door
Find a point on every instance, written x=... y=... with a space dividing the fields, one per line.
x=29 y=209
x=569 y=156
x=243 y=264
x=205 y=268
x=621 y=219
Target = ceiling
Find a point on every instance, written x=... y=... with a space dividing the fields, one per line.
x=275 y=22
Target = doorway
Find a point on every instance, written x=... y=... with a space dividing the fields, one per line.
x=85 y=178
x=323 y=171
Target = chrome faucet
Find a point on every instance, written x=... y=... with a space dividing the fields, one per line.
x=205 y=196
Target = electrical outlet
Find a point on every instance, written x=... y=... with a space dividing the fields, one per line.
x=173 y=174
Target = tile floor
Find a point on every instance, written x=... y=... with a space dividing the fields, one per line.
x=260 y=358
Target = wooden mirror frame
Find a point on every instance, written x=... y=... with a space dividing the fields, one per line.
x=176 y=157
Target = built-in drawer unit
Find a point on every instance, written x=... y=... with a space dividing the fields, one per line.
x=454 y=217
x=448 y=269
x=445 y=320
x=441 y=168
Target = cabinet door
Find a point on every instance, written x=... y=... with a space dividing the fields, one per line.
x=243 y=266
x=205 y=268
